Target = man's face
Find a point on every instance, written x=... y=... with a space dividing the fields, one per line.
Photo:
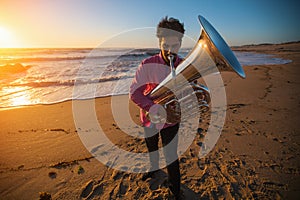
x=169 y=45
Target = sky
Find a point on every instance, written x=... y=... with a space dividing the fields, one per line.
x=90 y=23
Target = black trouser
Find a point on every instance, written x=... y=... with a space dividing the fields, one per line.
x=170 y=152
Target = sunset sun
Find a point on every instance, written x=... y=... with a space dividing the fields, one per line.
x=6 y=38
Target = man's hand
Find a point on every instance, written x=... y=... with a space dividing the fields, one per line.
x=157 y=114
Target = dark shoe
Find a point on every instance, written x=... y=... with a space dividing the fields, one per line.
x=148 y=175
x=180 y=196
x=177 y=196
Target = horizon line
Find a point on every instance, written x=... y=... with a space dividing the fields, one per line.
x=124 y=47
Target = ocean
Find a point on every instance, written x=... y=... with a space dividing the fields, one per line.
x=47 y=76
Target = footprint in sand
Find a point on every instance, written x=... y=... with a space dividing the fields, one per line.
x=92 y=189
x=95 y=149
x=52 y=175
x=87 y=189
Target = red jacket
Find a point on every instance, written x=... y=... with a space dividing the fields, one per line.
x=149 y=74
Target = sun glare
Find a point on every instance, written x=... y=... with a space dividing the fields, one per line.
x=6 y=38
x=18 y=96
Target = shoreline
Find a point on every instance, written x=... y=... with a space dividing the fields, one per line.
x=54 y=103
x=256 y=157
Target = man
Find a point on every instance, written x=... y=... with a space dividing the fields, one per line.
x=148 y=75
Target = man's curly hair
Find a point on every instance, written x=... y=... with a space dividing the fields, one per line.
x=170 y=27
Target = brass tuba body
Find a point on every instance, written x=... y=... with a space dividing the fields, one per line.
x=192 y=68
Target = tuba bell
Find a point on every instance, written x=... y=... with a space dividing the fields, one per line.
x=175 y=88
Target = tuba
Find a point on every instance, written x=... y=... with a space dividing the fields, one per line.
x=175 y=88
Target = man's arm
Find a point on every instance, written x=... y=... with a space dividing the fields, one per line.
x=138 y=87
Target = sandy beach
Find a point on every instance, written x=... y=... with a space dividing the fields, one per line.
x=256 y=157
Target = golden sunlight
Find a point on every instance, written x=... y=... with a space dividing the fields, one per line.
x=18 y=96
x=6 y=38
